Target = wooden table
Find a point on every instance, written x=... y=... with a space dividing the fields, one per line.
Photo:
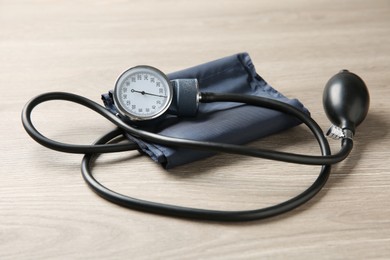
x=48 y=212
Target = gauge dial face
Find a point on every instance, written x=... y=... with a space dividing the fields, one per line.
x=142 y=93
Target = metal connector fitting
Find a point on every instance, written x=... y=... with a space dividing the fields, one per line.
x=337 y=133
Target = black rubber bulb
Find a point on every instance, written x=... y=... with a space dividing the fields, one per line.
x=346 y=100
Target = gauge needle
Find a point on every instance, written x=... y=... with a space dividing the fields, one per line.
x=146 y=93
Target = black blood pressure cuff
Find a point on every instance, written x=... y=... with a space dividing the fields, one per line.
x=224 y=122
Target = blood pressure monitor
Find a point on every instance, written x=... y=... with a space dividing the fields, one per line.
x=144 y=93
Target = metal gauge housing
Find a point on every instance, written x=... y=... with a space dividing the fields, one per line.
x=143 y=93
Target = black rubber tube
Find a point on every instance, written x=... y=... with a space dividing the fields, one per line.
x=101 y=146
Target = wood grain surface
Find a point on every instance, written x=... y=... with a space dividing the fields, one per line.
x=48 y=212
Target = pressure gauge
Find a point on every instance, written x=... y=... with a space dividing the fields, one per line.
x=142 y=93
